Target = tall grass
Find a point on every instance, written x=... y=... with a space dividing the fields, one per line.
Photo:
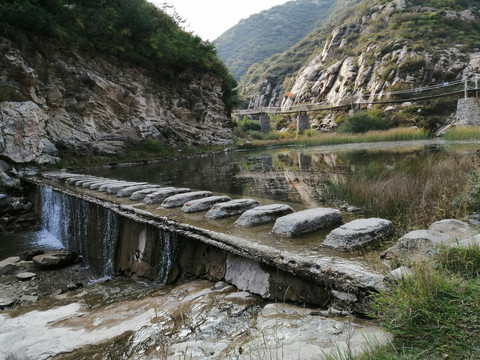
x=463 y=133
x=397 y=134
x=416 y=193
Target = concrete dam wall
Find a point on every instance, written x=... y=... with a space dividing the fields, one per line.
x=121 y=239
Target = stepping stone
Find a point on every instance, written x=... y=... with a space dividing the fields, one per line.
x=25 y=276
x=160 y=195
x=88 y=183
x=263 y=215
x=73 y=180
x=231 y=208
x=140 y=195
x=96 y=185
x=55 y=258
x=203 y=204
x=81 y=182
x=180 y=199
x=106 y=185
x=307 y=221
x=116 y=188
x=358 y=233
x=128 y=191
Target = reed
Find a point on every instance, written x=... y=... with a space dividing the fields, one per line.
x=463 y=133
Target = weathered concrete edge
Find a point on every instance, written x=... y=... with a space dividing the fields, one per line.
x=339 y=274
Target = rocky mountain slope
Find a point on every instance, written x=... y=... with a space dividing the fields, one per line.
x=269 y=32
x=54 y=95
x=369 y=47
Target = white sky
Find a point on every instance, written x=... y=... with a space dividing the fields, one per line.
x=210 y=18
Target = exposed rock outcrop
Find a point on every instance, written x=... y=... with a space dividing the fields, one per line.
x=55 y=96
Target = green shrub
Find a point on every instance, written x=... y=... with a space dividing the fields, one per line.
x=273 y=135
x=250 y=125
x=362 y=122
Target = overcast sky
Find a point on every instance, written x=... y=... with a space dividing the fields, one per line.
x=210 y=18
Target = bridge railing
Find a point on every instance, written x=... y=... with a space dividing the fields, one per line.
x=465 y=86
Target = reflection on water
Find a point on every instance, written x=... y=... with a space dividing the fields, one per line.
x=13 y=244
x=297 y=176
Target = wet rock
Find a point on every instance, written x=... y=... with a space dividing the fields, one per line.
x=306 y=221
x=29 y=254
x=231 y=208
x=56 y=258
x=203 y=204
x=6 y=302
x=128 y=191
x=181 y=199
x=358 y=233
x=160 y=195
x=26 y=276
x=140 y=194
x=263 y=215
x=10 y=265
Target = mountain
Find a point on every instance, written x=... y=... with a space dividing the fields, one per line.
x=269 y=32
x=369 y=47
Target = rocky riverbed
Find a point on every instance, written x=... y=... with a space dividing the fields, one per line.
x=65 y=313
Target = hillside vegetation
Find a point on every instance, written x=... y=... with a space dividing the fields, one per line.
x=370 y=46
x=269 y=32
x=134 y=30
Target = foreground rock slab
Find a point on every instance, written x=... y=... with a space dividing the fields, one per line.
x=358 y=233
x=307 y=221
x=56 y=258
x=204 y=204
x=9 y=265
x=263 y=215
x=180 y=199
x=231 y=208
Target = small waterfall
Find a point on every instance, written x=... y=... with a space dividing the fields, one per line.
x=85 y=228
x=169 y=246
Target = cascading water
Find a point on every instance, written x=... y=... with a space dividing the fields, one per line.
x=74 y=222
x=169 y=245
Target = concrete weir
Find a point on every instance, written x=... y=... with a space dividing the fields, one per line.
x=117 y=235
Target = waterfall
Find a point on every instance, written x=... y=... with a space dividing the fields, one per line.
x=85 y=228
x=169 y=244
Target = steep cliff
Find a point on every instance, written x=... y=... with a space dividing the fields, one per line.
x=369 y=47
x=55 y=95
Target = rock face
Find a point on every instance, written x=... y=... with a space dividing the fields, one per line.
x=53 y=95
x=358 y=233
x=307 y=221
x=263 y=215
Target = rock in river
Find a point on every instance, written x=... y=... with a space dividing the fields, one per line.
x=203 y=204
x=231 y=208
x=55 y=258
x=263 y=215
x=358 y=233
x=307 y=221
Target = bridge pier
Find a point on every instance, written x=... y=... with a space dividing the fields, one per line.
x=265 y=126
x=303 y=122
x=468 y=112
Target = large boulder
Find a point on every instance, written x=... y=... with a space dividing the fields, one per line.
x=9 y=265
x=263 y=215
x=56 y=258
x=307 y=221
x=418 y=244
x=358 y=233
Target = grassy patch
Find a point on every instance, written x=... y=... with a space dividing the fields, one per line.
x=463 y=133
x=397 y=134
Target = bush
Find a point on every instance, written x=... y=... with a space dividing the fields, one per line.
x=250 y=125
x=362 y=122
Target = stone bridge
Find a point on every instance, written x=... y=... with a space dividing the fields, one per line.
x=170 y=234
